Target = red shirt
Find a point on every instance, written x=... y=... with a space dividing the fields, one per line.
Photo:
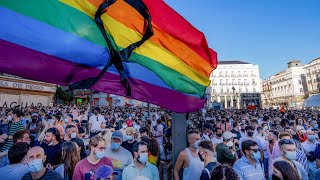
x=84 y=170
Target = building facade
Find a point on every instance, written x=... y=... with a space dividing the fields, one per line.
x=286 y=88
x=19 y=92
x=313 y=77
x=229 y=80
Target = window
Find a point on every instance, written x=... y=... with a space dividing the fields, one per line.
x=247 y=90
x=221 y=90
x=227 y=90
x=300 y=89
x=213 y=91
x=300 y=81
x=254 y=90
x=240 y=90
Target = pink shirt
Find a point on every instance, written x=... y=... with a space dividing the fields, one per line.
x=224 y=126
x=84 y=170
x=273 y=155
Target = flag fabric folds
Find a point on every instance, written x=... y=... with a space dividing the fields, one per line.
x=58 y=41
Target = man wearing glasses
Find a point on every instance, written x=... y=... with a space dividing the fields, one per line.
x=288 y=154
x=86 y=168
x=248 y=167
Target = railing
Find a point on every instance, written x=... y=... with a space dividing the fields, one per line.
x=240 y=83
x=246 y=83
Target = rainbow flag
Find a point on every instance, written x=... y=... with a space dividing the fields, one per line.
x=61 y=42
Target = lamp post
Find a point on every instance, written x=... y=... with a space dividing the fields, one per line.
x=234 y=98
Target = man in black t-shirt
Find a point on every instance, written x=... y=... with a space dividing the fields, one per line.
x=206 y=153
x=35 y=159
x=52 y=147
x=128 y=145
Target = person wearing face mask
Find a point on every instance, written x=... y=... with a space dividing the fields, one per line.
x=309 y=147
x=140 y=165
x=128 y=145
x=226 y=153
x=71 y=133
x=96 y=122
x=248 y=167
x=189 y=159
x=207 y=131
x=288 y=154
x=69 y=120
x=17 y=167
x=35 y=159
x=119 y=156
x=86 y=168
x=206 y=153
x=273 y=149
x=123 y=129
x=250 y=135
x=218 y=137
x=224 y=125
x=52 y=147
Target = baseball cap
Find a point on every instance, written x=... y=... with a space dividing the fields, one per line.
x=70 y=115
x=117 y=135
x=104 y=172
x=228 y=135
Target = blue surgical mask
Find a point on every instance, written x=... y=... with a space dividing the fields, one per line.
x=100 y=154
x=143 y=157
x=115 y=146
x=196 y=144
x=312 y=137
x=316 y=126
x=35 y=165
x=291 y=155
x=129 y=138
x=256 y=155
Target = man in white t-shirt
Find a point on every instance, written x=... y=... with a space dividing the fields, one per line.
x=96 y=122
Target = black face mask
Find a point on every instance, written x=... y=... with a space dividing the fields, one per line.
x=201 y=158
x=219 y=135
x=274 y=177
x=243 y=130
x=250 y=134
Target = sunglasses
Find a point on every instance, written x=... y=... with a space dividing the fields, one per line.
x=286 y=141
x=254 y=150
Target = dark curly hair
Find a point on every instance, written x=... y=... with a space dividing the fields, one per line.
x=287 y=171
x=223 y=172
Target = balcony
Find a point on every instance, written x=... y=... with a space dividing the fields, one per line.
x=246 y=83
x=234 y=84
x=233 y=75
x=254 y=83
x=245 y=75
x=221 y=75
x=239 y=75
x=240 y=83
x=221 y=84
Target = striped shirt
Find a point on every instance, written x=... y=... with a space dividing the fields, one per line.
x=17 y=126
x=302 y=159
x=246 y=171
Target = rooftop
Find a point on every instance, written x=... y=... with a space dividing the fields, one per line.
x=232 y=62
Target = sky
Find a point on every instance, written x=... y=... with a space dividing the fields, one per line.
x=269 y=33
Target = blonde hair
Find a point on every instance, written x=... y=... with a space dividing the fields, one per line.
x=106 y=135
x=131 y=130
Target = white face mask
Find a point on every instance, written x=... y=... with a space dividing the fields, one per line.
x=73 y=135
x=230 y=144
x=9 y=118
x=124 y=126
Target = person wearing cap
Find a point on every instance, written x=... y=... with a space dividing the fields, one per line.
x=96 y=122
x=105 y=172
x=226 y=153
x=119 y=156
x=140 y=165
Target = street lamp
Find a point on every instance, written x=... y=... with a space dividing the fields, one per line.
x=234 y=97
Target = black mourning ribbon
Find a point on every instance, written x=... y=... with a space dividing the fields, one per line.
x=117 y=57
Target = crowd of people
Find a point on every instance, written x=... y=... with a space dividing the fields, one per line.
x=76 y=143
x=130 y=143
x=251 y=145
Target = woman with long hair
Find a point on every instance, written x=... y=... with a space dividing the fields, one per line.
x=70 y=157
x=283 y=170
x=80 y=147
x=153 y=148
